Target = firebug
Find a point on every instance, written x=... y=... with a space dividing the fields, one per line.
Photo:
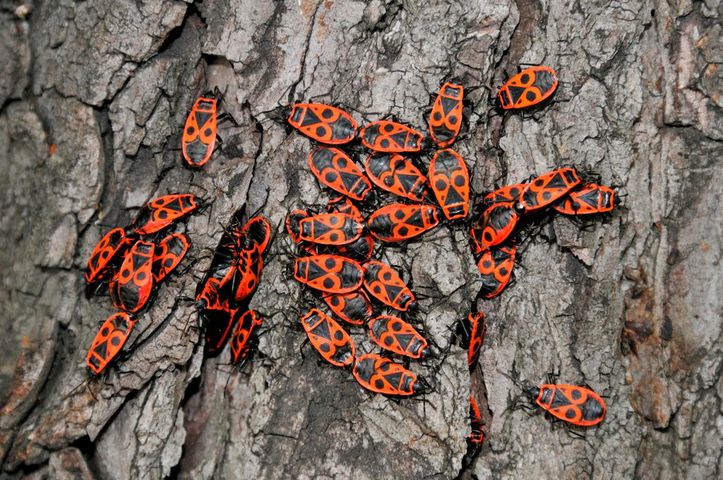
x=353 y=307
x=242 y=338
x=199 y=133
x=131 y=287
x=168 y=254
x=394 y=173
x=328 y=338
x=330 y=229
x=445 y=120
x=496 y=266
x=589 y=199
x=530 y=87
x=336 y=170
x=497 y=224
x=381 y=375
x=323 y=123
x=385 y=284
x=161 y=212
x=449 y=178
x=391 y=137
x=108 y=249
x=397 y=336
x=329 y=273
x=109 y=341
x=471 y=332
x=547 y=188
x=572 y=404
x=398 y=222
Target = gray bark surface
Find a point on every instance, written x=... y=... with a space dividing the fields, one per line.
x=630 y=305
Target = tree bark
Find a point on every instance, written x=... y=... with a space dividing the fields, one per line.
x=93 y=96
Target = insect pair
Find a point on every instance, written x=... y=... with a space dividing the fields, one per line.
x=374 y=372
x=223 y=294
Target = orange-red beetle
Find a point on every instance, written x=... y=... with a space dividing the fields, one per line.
x=496 y=266
x=131 y=288
x=589 y=199
x=394 y=334
x=199 y=133
x=576 y=405
x=445 y=120
x=530 y=87
x=336 y=170
x=547 y=188
x=497 y=224
x=381 y=375
x=323 y=123
x=385 y=284
x=398 y=222
x=109 y=341
x=110 y=248
x=328 y=338
x=329 y=273
x=391 y=137
x=449 y=179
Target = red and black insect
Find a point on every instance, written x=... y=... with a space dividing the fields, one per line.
x=323 y=123
x=394 y=334
x=572 y=404
x=168 y=254
x=131 y=287
x=328 y=338
x=508 y=193
x=381 y=375
x=399 y=222
x=391 y=137
x=496 y=266
x=330 y=229
x=353 y=307
x=199 y=133
x=394 y=173
x=497 y=224
x=385 y=284
x=103 y=259
x=477 y=436
x=161 y=212
x=362 y=248
x=530 y=87
x=471 y=332
x=589 y=199
x=109 y=341
x=449 y=178
x=336 y=170
x=242 y=338
x=445 y=120
x=547 y=188
x=329 y=273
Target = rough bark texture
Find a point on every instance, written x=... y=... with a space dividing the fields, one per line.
x=630 y=305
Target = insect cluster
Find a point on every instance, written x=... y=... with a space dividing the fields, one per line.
x=131 y=261
x=338 y=244
x=408 y=185
x=224 y=293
